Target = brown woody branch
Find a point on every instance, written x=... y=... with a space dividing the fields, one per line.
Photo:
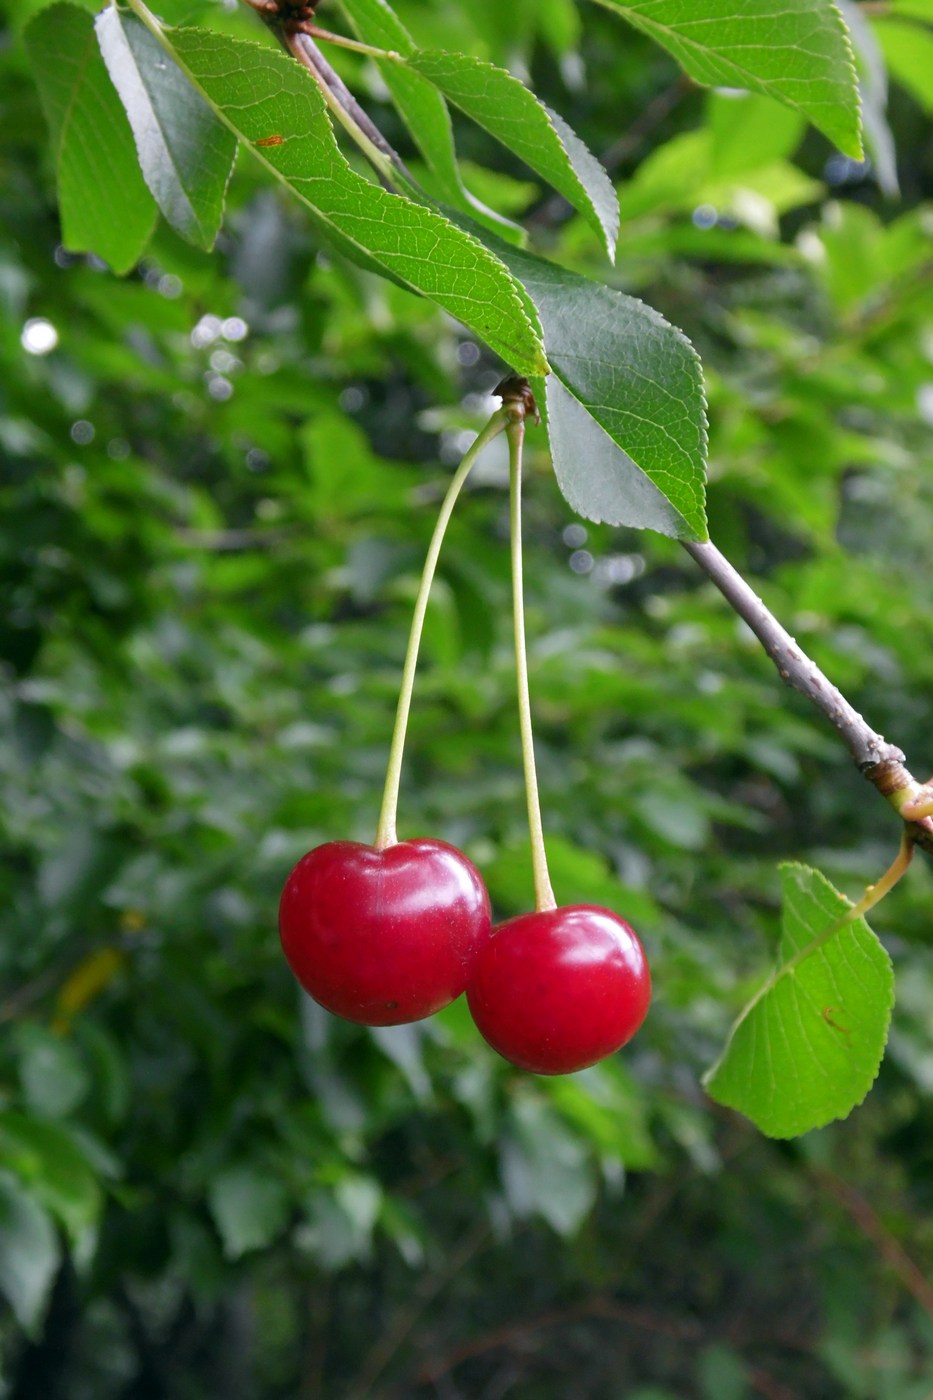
x=881 y=762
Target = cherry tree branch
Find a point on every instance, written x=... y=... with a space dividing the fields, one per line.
x=345 y=106
x=793 y=664
x=881 y=762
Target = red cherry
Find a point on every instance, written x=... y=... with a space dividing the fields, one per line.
x=558 y=990
x=384 y=936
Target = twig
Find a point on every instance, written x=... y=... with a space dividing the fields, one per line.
x=660 y=106
x=880 y=762
x=382 y=157
x=793 y=665
x=34 y=990
x=874 y=1229
x=597 y=1307
x=385 y=1349
x=767 y=1386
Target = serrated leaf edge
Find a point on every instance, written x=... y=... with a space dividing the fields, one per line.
x=486 y=255
x=607 y=232
x=647 y=25
x=778 y=971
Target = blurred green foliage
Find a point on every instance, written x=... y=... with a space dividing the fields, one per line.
x=216 y=492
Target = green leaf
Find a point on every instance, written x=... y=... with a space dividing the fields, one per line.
x=501 y=103
x=422 y=109
x=908 y=51
x=625 y=406
x=341 y=1220
x=688 y=171
x=270 y=102
x=545 y=1167
x=47 y=1157
x=51 y=1071
x=103 y=201
x=912 y=9
x=186 y=154
x=18 y=16
x=808 y=1047
x=747 y=131
x=250 y=1209
x=797 y=53
x=29 y=1253
x=722 y=1374
x=606 y=1105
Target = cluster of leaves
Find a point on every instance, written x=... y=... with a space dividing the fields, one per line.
x=216 y=494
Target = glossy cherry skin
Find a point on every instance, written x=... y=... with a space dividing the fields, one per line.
x=382 y=937
x=558 y=990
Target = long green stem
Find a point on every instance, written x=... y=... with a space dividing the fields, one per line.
x=386 y=830
x=544 y=895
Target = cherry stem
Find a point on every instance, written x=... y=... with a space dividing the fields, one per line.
x=386 y=830
x=544 y=894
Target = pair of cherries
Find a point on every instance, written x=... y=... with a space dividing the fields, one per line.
x=383 y=936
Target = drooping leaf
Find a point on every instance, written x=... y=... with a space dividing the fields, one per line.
x=502 y=104
x=798 y=53
x=341 y=1220
x=29 y=1253
x=270 y=102
x=625 y=406
x=808 y=1046
x=422 y=109
x=103 y=201
x=185 y=152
